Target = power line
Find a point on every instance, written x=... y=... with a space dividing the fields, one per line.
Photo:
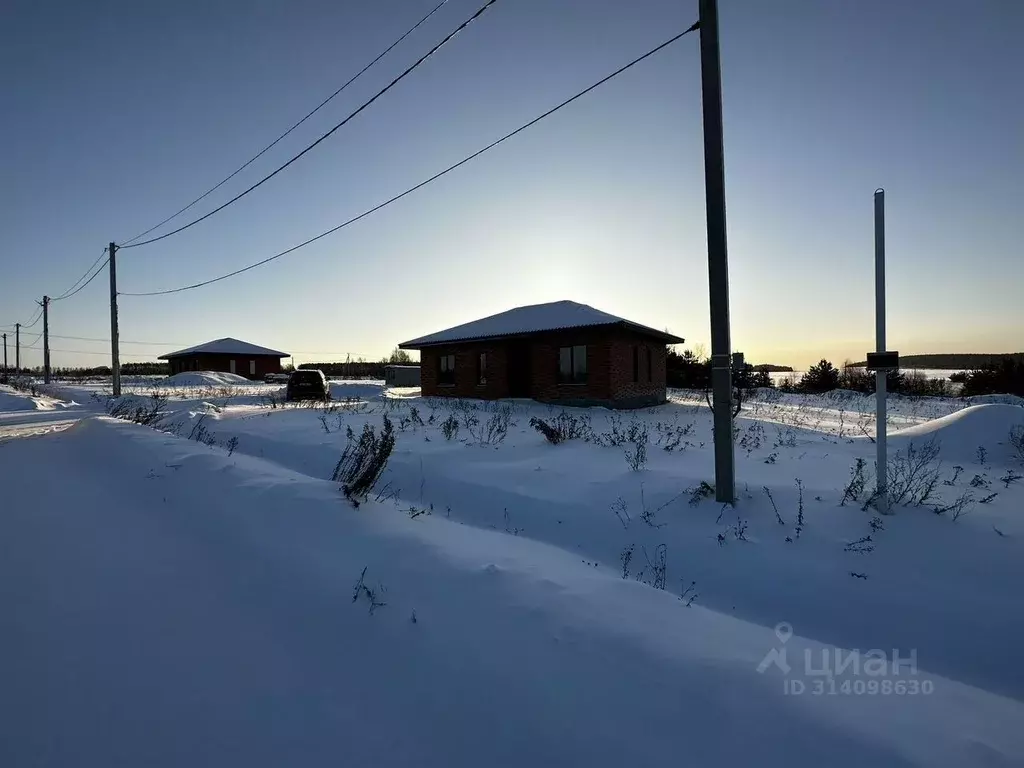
x=425 y=182
x=121 y=341
x=71 y=291
x=86 y=283
x=365 y=104
x=26 y=326
x=269 y=146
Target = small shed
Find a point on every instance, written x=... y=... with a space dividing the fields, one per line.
x=227 y=356
x=562 y=352
x=402 y=375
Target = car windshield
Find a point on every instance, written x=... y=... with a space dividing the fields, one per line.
x=306 y=377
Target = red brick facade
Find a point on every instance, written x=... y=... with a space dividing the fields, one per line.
x=251 y=366
x=611 y=379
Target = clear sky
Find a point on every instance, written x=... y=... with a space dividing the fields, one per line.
x=117 y=113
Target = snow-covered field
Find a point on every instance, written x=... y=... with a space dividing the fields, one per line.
x=500 y=600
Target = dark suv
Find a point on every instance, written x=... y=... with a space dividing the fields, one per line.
x=307 y=385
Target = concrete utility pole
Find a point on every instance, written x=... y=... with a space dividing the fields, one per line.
x=882 y=470
x=46 y=339
x=718 y=262
x=17 y=347
x=115 y=361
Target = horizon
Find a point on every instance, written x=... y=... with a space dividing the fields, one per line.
x=602 y=203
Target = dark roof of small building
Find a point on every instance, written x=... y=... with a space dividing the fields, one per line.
x=536 y=318
x=226 y=346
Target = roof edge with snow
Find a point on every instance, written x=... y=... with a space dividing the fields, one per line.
x=225 y=346
x=534 y=319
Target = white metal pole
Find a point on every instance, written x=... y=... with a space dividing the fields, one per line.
x=880 y=375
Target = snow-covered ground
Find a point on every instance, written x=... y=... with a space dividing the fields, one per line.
x=176 y=603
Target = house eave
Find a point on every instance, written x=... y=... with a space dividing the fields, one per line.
x=668 y=338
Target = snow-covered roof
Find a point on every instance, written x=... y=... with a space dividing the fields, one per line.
x=554 y=316
x=225 y=347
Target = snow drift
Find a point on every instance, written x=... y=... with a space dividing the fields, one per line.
x=963 y=432
x=204 y=379
x=172 y=605
x=356 y=390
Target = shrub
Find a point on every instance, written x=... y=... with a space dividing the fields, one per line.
x=564 y=426
x=450 y=427
x=1017 y=442
x=1005 y=376
x=687 y=370
x=363 y=460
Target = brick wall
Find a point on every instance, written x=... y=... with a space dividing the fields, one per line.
x=544 y=362
x=466 y=372
x=609 y=369
x=644 y=388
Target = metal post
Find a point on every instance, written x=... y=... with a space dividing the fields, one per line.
x=880 y=383
x=17 y=349
x=115 y=362
x=46 y=339
x=718 y=263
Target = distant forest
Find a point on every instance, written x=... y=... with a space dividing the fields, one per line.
x=952 y=361
x=773 y=368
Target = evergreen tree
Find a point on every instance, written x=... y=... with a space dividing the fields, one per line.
x=823 y=377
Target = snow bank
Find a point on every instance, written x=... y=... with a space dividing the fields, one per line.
x=204 y=379
x=219 y=617
x=356 y=390
x=11 y=400
x=963 y=432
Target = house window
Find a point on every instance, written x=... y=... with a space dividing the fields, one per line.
x=231 y=366
x=636 y=364
x=446 y=371
x=482 y=368
x=572 y=365
x=650 y=365
x=252 y=367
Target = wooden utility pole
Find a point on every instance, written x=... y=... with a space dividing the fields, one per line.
x=46 y=339
x=718 y=262
x=115 y=360
x=17 y=348
x=5 y=354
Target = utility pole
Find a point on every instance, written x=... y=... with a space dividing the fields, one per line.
x=46 y=339
x=882 y=470
x=17 y=348
x=881 y=361
x=5 y=354
x=718 y=261
x=115 y=362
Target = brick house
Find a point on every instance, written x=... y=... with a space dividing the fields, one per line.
x=560 y=352
x=227 y=356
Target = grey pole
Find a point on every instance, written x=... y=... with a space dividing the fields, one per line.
x=880 y=383
x=718 y=262
x=115 y=362
x=17 y=348
x=5 y=353
x=46 y=339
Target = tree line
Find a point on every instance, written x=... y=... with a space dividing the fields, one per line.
x=1002 y=375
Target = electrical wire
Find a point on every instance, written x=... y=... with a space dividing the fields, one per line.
x=423 y=183
x=71 y=291
x=38 y=317
x=269 y=146
x=86 y=283
x=329 y=133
